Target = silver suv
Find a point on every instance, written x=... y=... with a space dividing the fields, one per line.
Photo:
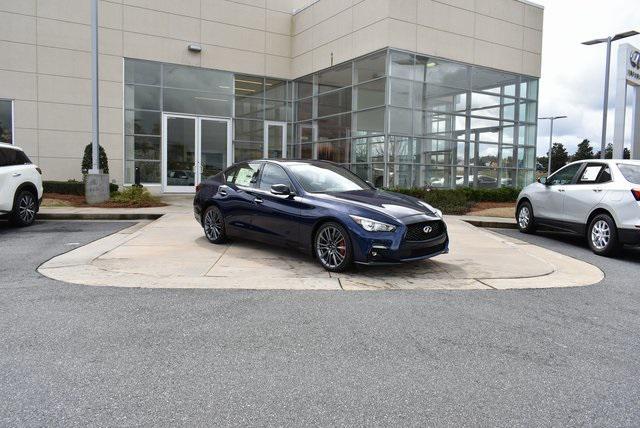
x=599 y=199
x=20 y=186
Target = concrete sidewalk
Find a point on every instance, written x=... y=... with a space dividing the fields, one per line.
x=172 y=252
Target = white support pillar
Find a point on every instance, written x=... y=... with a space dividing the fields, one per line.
x=635 y=136
x=621 y=103
x=628 y=75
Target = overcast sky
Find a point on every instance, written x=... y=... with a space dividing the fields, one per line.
x=572 y=81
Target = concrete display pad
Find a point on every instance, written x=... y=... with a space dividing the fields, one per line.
x=172 y=252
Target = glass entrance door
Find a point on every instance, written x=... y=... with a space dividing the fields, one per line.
x=194 y=148
x=275 y=140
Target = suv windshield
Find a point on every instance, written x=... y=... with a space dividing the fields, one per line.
x=631 y=172
x=324 y=178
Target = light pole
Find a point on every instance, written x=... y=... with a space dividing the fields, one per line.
x=551 y=119
x=605 y=105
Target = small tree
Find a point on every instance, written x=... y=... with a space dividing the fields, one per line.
x=608 y=152
x=584 y=151
x=626 y=154
x=559 y=156
x=87 y=160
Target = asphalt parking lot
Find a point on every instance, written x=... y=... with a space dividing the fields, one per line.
x=78 y=355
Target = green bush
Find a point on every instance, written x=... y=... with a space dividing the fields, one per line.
x=87 y=159
x=135 y=196
x=71 y=187
x=459 y=201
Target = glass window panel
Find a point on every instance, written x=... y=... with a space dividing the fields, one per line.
x=304 y=109
x=507 y=158
x=508 y=177
x=304 y=87
x=249 y=130
x=436 y=152
x=371 y=67
x=276 y=89
x=142 y=122
x=147 y=148
x=400 y=121
x=525 y=177
x=435 y=177
x=243 y=151
x=200 y=79
x=493 y=81
x=404 y=150
x=335 y=151
x=277 y=110
x=305 y=132
x=249 y=108
x=528 y=112
x=441 y=72
x=526 y=157
x=6 y=122
x=195 y=102
x=403 y=175
x=334 y=78
x=400 y=92
x=249 y=86
x=527 y=135
x=334 y=127
x=373 y=173
x=485 y=130
x=488 y=155
x=439 y=125
x=306 y=151
x=507 y=135
x=529 y=89
x=509 y=111
x=429 y=97
x=142 y=72
x=460 y=152
x=484 y=177
x=370 y=122
x=142 y=97
x=371 y=94
x=334 y=102
x=149 y=171
x=368 y=149
x=401 y=64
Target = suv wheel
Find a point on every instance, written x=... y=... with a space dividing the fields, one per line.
x=524 y=217
x=24 y=209
x=333 y=247
x=213 y=224
x=602 y=236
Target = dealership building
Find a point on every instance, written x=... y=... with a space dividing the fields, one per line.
x=405 y=93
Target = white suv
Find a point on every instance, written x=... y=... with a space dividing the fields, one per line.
x=599 y=199
x=20 y=186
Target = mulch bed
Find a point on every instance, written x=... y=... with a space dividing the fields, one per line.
x=79 y=201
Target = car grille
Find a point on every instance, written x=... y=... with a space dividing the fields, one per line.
x=415 y=232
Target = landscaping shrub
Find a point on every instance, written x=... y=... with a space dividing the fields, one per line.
x=87 y=159
x=135 y=197
x=459 y=201
x=71 y=187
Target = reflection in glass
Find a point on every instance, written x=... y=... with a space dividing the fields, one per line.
x=274 y=141
x=6 y=122
x=243 y=151
x=181 y=151
x=213 y=147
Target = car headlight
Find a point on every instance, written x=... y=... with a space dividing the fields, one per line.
x=372 y=225
x=430 y=208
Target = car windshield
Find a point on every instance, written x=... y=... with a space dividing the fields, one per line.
x=325 y=178
x=631 y=172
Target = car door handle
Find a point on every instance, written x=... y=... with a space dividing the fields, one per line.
x=560 y=190
x=17 y=174
x=597 y=190
x=258 y=200
x=222 y=190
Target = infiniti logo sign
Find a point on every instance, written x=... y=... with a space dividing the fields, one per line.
x=635 y=59
x=427 y=229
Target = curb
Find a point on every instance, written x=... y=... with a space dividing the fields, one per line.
x=98 y=216
x=492 y=224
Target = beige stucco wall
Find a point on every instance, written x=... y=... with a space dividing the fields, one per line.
x=45 y=51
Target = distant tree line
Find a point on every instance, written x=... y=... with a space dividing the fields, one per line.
x=560 y=157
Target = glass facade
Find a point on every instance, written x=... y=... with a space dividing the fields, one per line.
x=395 y=118
x=6 y=121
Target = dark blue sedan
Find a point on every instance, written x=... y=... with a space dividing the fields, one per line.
x=320 y=208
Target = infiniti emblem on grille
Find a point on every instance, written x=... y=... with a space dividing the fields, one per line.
x=427 y=229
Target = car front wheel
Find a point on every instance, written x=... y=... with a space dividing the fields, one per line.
x=213 y=225
x=25 y=206
x=333 y=247
x=524 y=217
x=603 y=236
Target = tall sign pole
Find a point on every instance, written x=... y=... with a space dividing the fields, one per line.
x=95 y=137
x=628 y=77
x=605 y=104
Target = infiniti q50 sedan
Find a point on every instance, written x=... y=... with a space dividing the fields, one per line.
x=320 y=208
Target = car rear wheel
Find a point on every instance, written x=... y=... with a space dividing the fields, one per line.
x=333 y=247
x=602 y=236
x=25 y=206
x=524 y=217
x=213 y=225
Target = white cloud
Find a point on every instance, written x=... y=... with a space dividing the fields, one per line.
x=572 y=80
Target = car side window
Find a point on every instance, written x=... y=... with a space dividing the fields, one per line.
x=605 y=175
x=3 y=157
x=273 y=174
x=565 y=175
x=590 y=174
x=247 y=175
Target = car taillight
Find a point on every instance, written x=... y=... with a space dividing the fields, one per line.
x=636 y=194
x=39 y=170
x=198 y=187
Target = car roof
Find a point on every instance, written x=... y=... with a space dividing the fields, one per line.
x=608 y=161
x=294 y=161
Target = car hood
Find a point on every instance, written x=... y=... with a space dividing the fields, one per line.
x=397 y=205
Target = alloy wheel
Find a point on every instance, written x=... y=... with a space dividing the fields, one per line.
x=600 y=234
x=524 y=217
x=213 y=225
x=331 y=247
x=27 y=208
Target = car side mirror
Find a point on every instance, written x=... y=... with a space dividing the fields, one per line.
x=280 y=189
x=542 y=180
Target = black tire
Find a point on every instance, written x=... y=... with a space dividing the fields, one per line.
x=332 y=247
x=25 y=207
x=213 y=226
x=602 y=236
x=525 y=219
